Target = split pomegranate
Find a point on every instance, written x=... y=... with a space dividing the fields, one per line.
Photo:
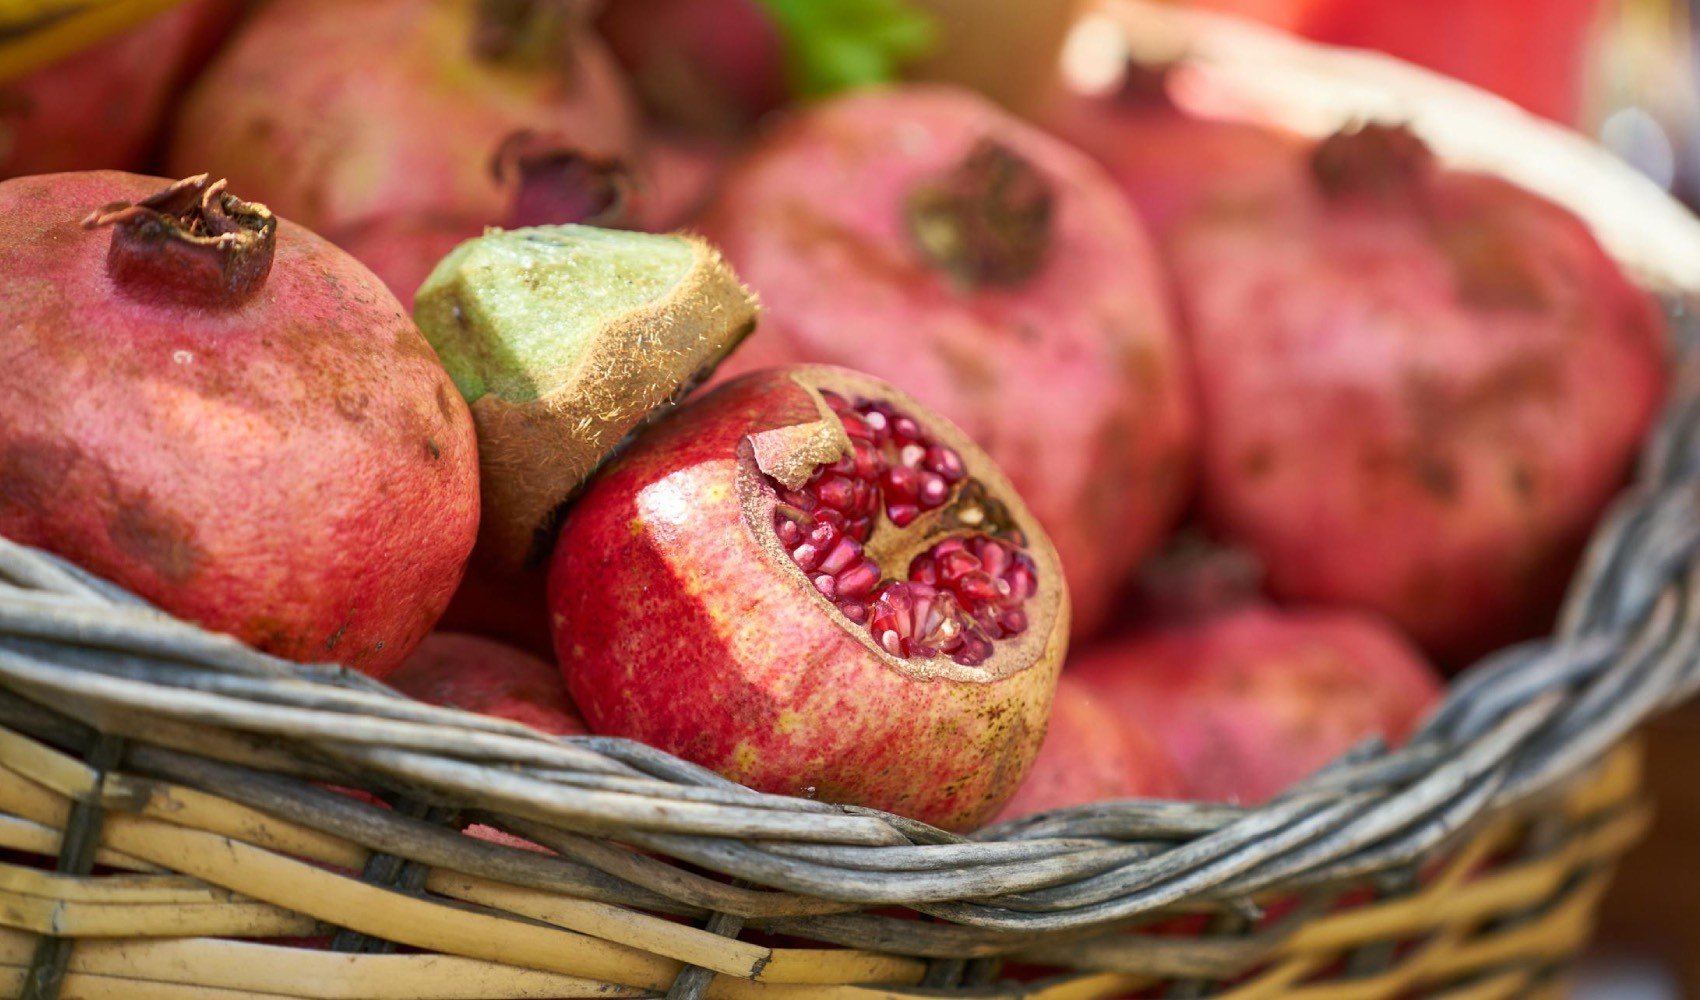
x=1418 y=387
x=229 y=416
x=103 y=107
x=812 y=585
x=1253 y=701
x=386 y=124
x=479 y=675
x=1092 y=754
x=927 y=237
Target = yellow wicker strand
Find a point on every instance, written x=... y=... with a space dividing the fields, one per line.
x=261 y=969
x=109 y=889
x=21 y=834
x=72 y=33
x=63 y=918
x=1446 y=902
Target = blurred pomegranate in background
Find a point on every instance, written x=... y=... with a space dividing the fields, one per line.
x=469 y=113
x=1171 y=163
x=1533 y=52
x=1418 y=388
x=103 y=107
x=1092 y=754
x=924 y=235
x=1250 y=702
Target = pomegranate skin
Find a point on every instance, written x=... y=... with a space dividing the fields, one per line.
x=296 y=470
x=480 y=675
x=1249 y=703
x=1092 y=754
x=1172 y=164
x=678 y=627
x=302 y=111
x=713 y=66
x=102 y=107
x=1071 y=379
x=1416 y=403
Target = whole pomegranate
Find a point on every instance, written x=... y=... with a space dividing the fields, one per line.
x=227 y=415
x=712 y=66
x=1418 y=388
x=480 y=675
x=1253 y=701
x=103 y=106
x=814 y=586
x=924 y=236
x=388 y=121
x=1092 y=754
x=1172 y=163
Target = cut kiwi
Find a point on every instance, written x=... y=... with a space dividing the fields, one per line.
x=564 y=341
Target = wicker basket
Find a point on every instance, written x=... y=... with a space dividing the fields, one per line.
x=180 y=778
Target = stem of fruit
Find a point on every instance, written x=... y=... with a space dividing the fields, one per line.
x=193 y=243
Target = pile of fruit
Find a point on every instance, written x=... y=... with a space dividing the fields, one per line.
x=1120 y=453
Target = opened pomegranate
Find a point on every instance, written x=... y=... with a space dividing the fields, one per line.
x=1418 y=388
x=1092 y=754
x=387 y=124
x=814 y=586
x=925 y=236
x=1253 y=701
x=480 y=675
x=227 y=415
x=103 y=106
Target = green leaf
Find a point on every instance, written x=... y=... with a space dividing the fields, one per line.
x=834 y=45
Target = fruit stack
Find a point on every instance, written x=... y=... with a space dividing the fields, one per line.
x=999 y=549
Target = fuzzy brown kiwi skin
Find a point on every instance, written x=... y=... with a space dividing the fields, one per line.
x=538 y=453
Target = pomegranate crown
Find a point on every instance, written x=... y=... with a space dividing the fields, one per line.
x=193 y=243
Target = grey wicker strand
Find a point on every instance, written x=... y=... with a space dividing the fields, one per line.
x=78 y=659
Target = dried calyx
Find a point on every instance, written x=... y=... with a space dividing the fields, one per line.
x=1373 y=161
x=987 y=221
x=193 y=243
x=895 y=497
x=529 y=33
x=552 y=182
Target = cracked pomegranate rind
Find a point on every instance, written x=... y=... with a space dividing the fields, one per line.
x=564 y=339
x=812 y=585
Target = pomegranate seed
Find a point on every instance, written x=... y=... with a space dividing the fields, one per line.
x=934 y=490
x=946 y=462
x=806 y=556
x=960 y=596
x=837 y=492
x=901 y=484
x=842 y=556
x=859 y=580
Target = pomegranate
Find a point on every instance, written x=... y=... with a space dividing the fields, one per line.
x=679 y=174
x=478 y=675
x=812 y=585
x=510 y=607
x=1172 y=163
x=564 y=339
x=1092 y=754
x=103 y=107
x=710 y=65
x=227 y=415
x=1418 y=388
x=469 y=113
x=1253 y=701
x=924 y=236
